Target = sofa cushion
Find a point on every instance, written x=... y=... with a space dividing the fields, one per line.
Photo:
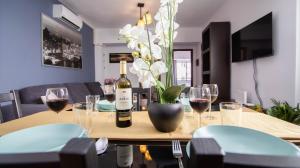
x=77 y=92
x=94 y=88
x=9 y=112
x=32 y=94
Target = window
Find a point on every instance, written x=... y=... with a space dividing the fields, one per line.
x=183 y=73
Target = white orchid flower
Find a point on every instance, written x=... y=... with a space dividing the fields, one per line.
x=125 y=31
x=142 y=70
x=156 y=51
x=149 y=66
x=162 y=14
x=145 y=52
x=158 y=68
x=147 y=79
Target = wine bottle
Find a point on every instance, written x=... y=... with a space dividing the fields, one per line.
x=124 y=156
x=123 y=98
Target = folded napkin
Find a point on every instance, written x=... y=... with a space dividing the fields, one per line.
x=104 y=105
x=101 y=145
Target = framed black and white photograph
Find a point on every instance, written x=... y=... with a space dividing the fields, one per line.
x=61 y=45
x=117 y=57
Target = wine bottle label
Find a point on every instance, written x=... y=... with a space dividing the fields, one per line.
x=124 y=156
x=124 y=99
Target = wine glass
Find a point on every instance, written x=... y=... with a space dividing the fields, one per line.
x=214 y=92
x=109 y=92
x=57 y=99
x=199 y=100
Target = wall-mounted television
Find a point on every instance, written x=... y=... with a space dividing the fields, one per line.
x=253 y=41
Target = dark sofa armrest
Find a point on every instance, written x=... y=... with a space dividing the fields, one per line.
x=29 y=109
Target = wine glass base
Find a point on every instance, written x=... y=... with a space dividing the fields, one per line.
x=209 y=117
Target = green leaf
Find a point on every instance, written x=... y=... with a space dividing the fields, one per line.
x=172 y=93
x=297 y=120
x=284 y=111
x=161 y=85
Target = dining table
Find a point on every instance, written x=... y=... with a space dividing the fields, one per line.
x=142 y=130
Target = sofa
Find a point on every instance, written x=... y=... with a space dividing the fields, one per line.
x=31 y=102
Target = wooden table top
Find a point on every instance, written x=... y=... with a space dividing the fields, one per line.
x=143 y=130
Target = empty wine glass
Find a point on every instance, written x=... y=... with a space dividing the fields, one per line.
x=214 y=92
x=57 y=99
x=199 y=100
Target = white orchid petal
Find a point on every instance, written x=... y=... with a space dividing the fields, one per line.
x=158 y=68
x=156 y=52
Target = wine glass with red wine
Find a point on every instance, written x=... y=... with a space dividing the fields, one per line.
x=57 y=99
x=214 y=92
x=109 y=92
x=199 y=100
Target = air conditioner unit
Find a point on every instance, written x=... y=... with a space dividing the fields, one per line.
x=67 y=16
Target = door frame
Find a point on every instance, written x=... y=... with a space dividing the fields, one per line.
x=192 y=62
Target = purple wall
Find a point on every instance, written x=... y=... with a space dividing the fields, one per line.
x=20 y=47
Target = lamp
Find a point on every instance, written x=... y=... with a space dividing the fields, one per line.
x=147 y=18
x=144 y=19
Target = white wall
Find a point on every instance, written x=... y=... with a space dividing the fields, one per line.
x=297 y=92
x=106 y=41
x=276 y=75
x=111 y=70
x=111 y=36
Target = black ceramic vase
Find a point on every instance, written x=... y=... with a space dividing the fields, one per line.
x=165 y=117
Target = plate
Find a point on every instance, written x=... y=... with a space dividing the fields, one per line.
x=43 y=138
x=246 y=141
x=105 y=105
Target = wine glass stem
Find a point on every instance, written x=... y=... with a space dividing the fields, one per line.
x=199 y=120
x=59 y=117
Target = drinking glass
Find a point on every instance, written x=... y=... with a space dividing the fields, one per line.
x=109 y=92
x=83 y=116
x=214 y=92
x=199 y=100
x=92 y=101
x=230 y=113
x=57 y=99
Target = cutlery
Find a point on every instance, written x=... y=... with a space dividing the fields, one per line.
x=177 y=152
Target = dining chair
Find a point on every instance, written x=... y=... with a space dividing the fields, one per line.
x=206 y=152
x=139 y=92
x=12 y=97
x=77 y=153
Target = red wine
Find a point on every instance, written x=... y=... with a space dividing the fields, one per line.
x=213 y=98
x=110 y=97
x=57 y=104
x=199 y=105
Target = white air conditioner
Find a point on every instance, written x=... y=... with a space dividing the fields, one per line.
x=67 y=16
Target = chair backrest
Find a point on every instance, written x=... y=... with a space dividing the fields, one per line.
x=12 y=97
x=139 y=92
x=205 y=152
x=77 y=153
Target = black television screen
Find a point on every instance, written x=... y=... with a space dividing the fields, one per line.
x=253 y=41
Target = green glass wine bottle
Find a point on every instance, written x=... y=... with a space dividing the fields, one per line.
x=123 y=98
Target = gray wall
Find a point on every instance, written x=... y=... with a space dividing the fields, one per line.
x=277 y=74
x=20 y=47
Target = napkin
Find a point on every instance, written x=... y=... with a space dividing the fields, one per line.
x=101 y=145
x=104 y=105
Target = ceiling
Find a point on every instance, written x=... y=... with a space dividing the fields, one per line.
x=117 y=13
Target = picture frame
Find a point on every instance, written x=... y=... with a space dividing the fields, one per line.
x=117 y=57
x=61 y=45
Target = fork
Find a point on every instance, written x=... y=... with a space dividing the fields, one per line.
x=177 y=152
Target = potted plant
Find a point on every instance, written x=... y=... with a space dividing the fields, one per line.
x=284 y=111
x=153 y=54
